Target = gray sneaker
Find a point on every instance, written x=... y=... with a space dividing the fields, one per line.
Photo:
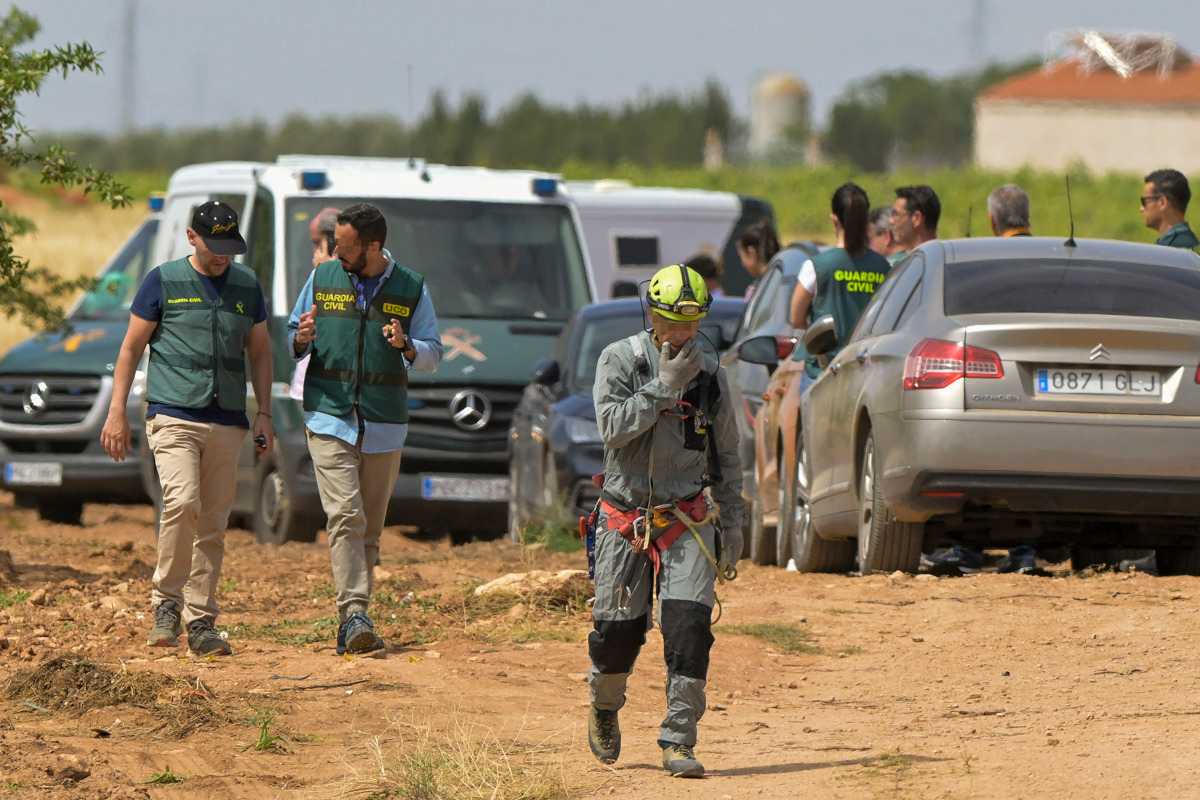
x=604 y=735
x=203 y=639
x=167 y=626
x=680 y=761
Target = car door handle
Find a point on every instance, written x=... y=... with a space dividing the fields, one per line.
x=861 y=358
x=835 y=368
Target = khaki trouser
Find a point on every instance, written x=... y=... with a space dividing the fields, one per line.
x=197 y=469
x=355 y=488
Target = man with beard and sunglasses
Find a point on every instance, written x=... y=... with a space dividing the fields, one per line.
x=365 y=321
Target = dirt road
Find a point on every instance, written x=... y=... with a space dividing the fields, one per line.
x=822 y=686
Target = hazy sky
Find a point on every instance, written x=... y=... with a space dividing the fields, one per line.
x=219 y=60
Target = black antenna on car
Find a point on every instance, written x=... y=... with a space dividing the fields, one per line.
x=1070 y=242
x=969 y=210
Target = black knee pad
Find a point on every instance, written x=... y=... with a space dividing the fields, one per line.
x=614 y=644
x=687 y=637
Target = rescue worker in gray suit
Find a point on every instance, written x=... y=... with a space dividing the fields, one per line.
x=666 y=417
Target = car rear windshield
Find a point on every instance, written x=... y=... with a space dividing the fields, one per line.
x=480 y=260
x=1067 y=286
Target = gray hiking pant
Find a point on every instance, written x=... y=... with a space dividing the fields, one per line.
x=620 y=621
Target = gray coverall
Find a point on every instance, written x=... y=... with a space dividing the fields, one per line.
x=644 y=448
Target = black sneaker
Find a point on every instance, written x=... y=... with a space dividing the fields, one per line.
x=167 y=626
x=953 y=561
x=604 y=735
x=1021 y=560
x=357 y=635
x=203 y=639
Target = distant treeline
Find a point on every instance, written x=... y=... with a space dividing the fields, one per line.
x=665 y=129
x=892 y=120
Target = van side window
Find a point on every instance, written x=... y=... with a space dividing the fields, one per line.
x=637 y=251
x=261 y=255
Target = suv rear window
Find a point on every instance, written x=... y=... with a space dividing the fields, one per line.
x=1062 y=286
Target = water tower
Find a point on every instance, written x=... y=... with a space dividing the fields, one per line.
x=779 y=117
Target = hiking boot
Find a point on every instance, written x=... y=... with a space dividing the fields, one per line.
x=357 y=635
x=203 y=639
x=167 y=626
x=680 y=761
x=604 y=735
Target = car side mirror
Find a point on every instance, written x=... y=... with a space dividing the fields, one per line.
x=546 y=372
x=760 y=350
x=820 y=338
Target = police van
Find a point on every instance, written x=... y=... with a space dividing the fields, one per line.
x=55 y=390
x=508 y=256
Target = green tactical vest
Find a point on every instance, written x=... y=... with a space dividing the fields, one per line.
x=353 y=367
x=845 y=285
x=197 y=352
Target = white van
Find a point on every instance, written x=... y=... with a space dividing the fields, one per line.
x=508 y=256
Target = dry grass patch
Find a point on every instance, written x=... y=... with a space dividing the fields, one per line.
x=783 y=637
x=74 y=685
x=466 y=763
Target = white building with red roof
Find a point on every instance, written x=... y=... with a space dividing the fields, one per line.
x=1114 y=103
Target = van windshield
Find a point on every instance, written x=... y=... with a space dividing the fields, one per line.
x=479 y=260
x=113 y=294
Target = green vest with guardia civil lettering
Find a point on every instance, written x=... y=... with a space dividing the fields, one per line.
x=353 y=367
x=845 y=284
x=197 y=352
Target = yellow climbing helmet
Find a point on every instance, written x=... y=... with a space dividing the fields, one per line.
x=678 y=292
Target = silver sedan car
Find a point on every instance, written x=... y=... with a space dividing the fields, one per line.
x=999 y=392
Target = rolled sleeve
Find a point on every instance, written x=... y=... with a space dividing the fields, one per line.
x=303 y=303
x=424 y=335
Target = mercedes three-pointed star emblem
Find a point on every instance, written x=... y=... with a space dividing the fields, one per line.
x=470 y=410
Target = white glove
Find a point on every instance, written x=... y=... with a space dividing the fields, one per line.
x=677 y=371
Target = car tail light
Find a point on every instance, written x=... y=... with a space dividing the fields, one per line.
x=935 y=364
x=1198 y=374
x=784 y=345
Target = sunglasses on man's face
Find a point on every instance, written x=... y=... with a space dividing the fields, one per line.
x=1148 y=198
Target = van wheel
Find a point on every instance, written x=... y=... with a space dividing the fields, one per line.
x=24 y=500
x=884 y=545
x=60 y=511
x=810 y=551
x=275 y=519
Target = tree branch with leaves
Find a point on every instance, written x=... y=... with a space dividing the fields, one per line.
x=34 y=293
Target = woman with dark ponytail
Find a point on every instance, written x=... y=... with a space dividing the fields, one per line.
x=841 y=281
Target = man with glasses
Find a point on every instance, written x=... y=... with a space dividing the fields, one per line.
x=366 y=321
x=1164 y=201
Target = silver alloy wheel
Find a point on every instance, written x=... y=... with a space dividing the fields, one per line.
x=803 y=515
x=866 y=502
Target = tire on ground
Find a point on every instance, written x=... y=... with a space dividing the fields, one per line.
x=884 y=543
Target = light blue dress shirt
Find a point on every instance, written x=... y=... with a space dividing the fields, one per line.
x=378 y=437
